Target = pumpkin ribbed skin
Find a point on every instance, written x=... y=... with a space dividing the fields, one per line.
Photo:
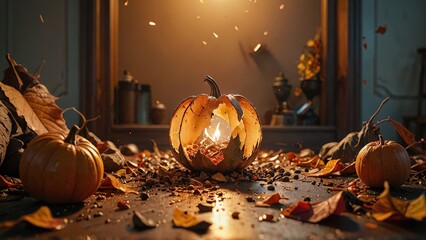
x=193 y=115
x=382 y=161
x=55 y=171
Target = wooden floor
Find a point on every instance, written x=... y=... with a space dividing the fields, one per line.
x=98 y=218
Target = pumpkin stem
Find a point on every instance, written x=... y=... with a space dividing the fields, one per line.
x=71 y=135
x=214 y=89
x=381 y=139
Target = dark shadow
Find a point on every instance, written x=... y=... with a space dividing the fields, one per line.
x=341 y=222
x=266 y=62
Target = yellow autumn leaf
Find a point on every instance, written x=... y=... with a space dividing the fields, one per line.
x=332 y=166
x=181 y=219
x=388 y=207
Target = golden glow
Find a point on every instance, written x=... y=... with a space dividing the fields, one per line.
x=151 y=23
x=215 y=35
x=218 y=132
x=257 y=47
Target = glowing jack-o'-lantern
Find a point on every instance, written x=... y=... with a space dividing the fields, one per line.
x=215 y=133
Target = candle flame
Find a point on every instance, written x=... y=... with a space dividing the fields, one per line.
x=216 y=134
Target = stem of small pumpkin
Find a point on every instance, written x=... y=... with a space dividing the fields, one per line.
x=214 y=89
x=381 y=139
x=71 y=135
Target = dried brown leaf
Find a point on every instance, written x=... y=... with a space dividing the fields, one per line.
x=111 y=182
x=189 y=221
x=270 y=200
x=4 y=183
x=23 y=109
x=405 y=134
x=332 y=166
x=41 y=218
x=315 y=212
x=391 y=208
x=44 y=106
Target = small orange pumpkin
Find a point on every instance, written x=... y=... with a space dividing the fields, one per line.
x=56 y=168
x=382 y=161
x=197 y=149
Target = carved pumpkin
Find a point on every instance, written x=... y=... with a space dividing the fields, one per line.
x=61 y=169
x=215 y=133
x=382 y=161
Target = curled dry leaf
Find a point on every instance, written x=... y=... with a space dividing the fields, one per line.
x=315 y=212
x=270 y=200
x=41 y=218
x=332 y=166
x=189 y=221
x=23 y=109
x=4 y=183
x=391 y=208
x=111 y=182
x=44 y=106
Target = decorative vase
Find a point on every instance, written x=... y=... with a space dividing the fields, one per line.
x=282 y=90
x=306 y=114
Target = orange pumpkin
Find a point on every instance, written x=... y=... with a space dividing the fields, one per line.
x=56 y=168
x=382 y=161
x=215 y=133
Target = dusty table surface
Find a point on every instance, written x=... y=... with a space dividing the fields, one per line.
x=157 y=185
x=101 y=218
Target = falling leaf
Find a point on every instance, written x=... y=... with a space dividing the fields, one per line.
x=189 y=221
x=270 y=200
x=332 y=166
x=41 y=18
x=111 y=182
x=141 y=222
x=381 y=29
x=41 y=218
x=315 y=212
x=4 y=183
x=391 y=208
x=405 y=134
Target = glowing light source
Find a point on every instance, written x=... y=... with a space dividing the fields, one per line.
x=215 y=35
x=282 y=6
x=151 y=23
x=236 y=28
x=126 y=3
x=257 y=47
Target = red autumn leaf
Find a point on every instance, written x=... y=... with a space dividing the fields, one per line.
x=332 y=166
x=4 y=183
x=44 y=106
x=381 y=29
x=315 y=212
x=270 y=200
x=405 y=134
x=111 y=182
x=41 y=218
